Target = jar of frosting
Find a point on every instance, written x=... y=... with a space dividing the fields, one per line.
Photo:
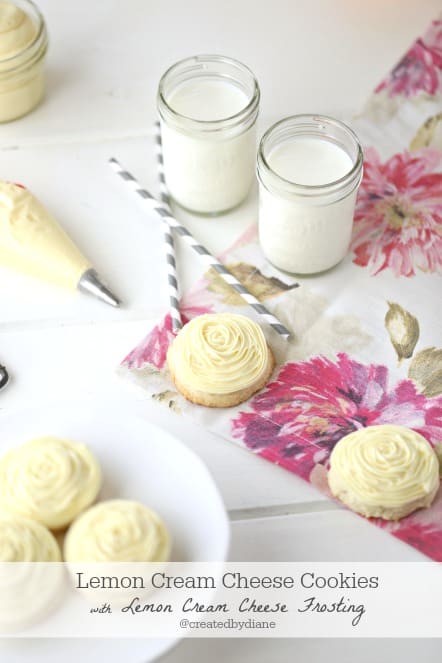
x=309 y=170
x=208 y=105
x=23 y=46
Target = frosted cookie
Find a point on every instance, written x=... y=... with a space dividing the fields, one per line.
x=25 y=540
x=28 y=591
x=220 y=359
x=384 y=471
x=50 y=480
x=117 y=531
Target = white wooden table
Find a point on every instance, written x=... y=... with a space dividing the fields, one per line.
x=104 y=62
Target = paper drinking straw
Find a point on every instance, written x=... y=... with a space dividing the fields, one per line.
x=169 y=246
x=161 y=209
x=164 y=192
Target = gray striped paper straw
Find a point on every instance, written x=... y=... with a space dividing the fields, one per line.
x=169 y=246
x=204 y=254
x=164 y=192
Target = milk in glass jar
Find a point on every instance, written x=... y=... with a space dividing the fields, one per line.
x=309 y=170
x=208 y=105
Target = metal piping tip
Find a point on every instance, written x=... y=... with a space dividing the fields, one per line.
x=91 y=284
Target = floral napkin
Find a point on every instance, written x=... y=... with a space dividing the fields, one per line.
x=367 y=336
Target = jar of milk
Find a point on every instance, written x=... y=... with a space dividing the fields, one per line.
x=309 y=170
x=208 y=105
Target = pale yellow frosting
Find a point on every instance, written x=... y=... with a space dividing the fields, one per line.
x=49 y=479
x=32 y=241
x=219 y=353
x=117 y=531
x=25 y=540
x=384 y=471
x=17 y=30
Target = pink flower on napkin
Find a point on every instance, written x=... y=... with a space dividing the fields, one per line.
x=296 y=421
x=152 y=350
x=398 y=217
x=420 y=68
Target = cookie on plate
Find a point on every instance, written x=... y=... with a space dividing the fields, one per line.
x=117 y=531
x=50 y=480
x=26 y=540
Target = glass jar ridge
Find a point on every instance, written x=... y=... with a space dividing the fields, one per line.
x=208 y=106
x=305 y=226
x=214 y=66
x=312 y=126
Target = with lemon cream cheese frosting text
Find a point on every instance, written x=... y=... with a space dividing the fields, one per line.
x=384 y=471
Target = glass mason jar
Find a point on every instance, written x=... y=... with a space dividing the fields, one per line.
x=309 y=170
x=21 y=66
x=208 y=105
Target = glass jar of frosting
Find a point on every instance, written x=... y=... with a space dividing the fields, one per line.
x=309 y=170
x=208 y=105
x=23 y=46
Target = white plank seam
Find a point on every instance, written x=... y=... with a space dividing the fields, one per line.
x=278 y=510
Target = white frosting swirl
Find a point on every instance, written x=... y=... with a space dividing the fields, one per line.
x=32 y=241
x=117 y=531
x=17 y=30
x=219 y=353
x=25 y=540
x=384 y=466
x=50 y=480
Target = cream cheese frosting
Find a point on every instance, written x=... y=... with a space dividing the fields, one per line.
x=23 y=47
x=50 y=480
x=32 y=241
x=28 y=590
x=219 y=353
x=117 y=531
x=25 y=540
x=17 y=30
x=385 y=471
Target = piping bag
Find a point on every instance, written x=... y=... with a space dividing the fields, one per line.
x=32 y=241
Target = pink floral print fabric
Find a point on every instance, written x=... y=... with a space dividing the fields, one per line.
x=420 y=70
x=398 y=218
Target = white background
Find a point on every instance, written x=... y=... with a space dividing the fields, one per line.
x=104 y=62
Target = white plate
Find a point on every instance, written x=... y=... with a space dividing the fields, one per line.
x=141 y=462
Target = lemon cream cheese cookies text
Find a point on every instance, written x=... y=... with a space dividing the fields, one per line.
x=50 y=480
x=117 y=531
x=220 y=359
x=384 y=471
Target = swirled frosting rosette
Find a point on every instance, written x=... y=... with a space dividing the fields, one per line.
x=384 y=471
x=117 y=531
x=27 y=590
x=50 y=480
x=26 y=540
x=220 y=359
